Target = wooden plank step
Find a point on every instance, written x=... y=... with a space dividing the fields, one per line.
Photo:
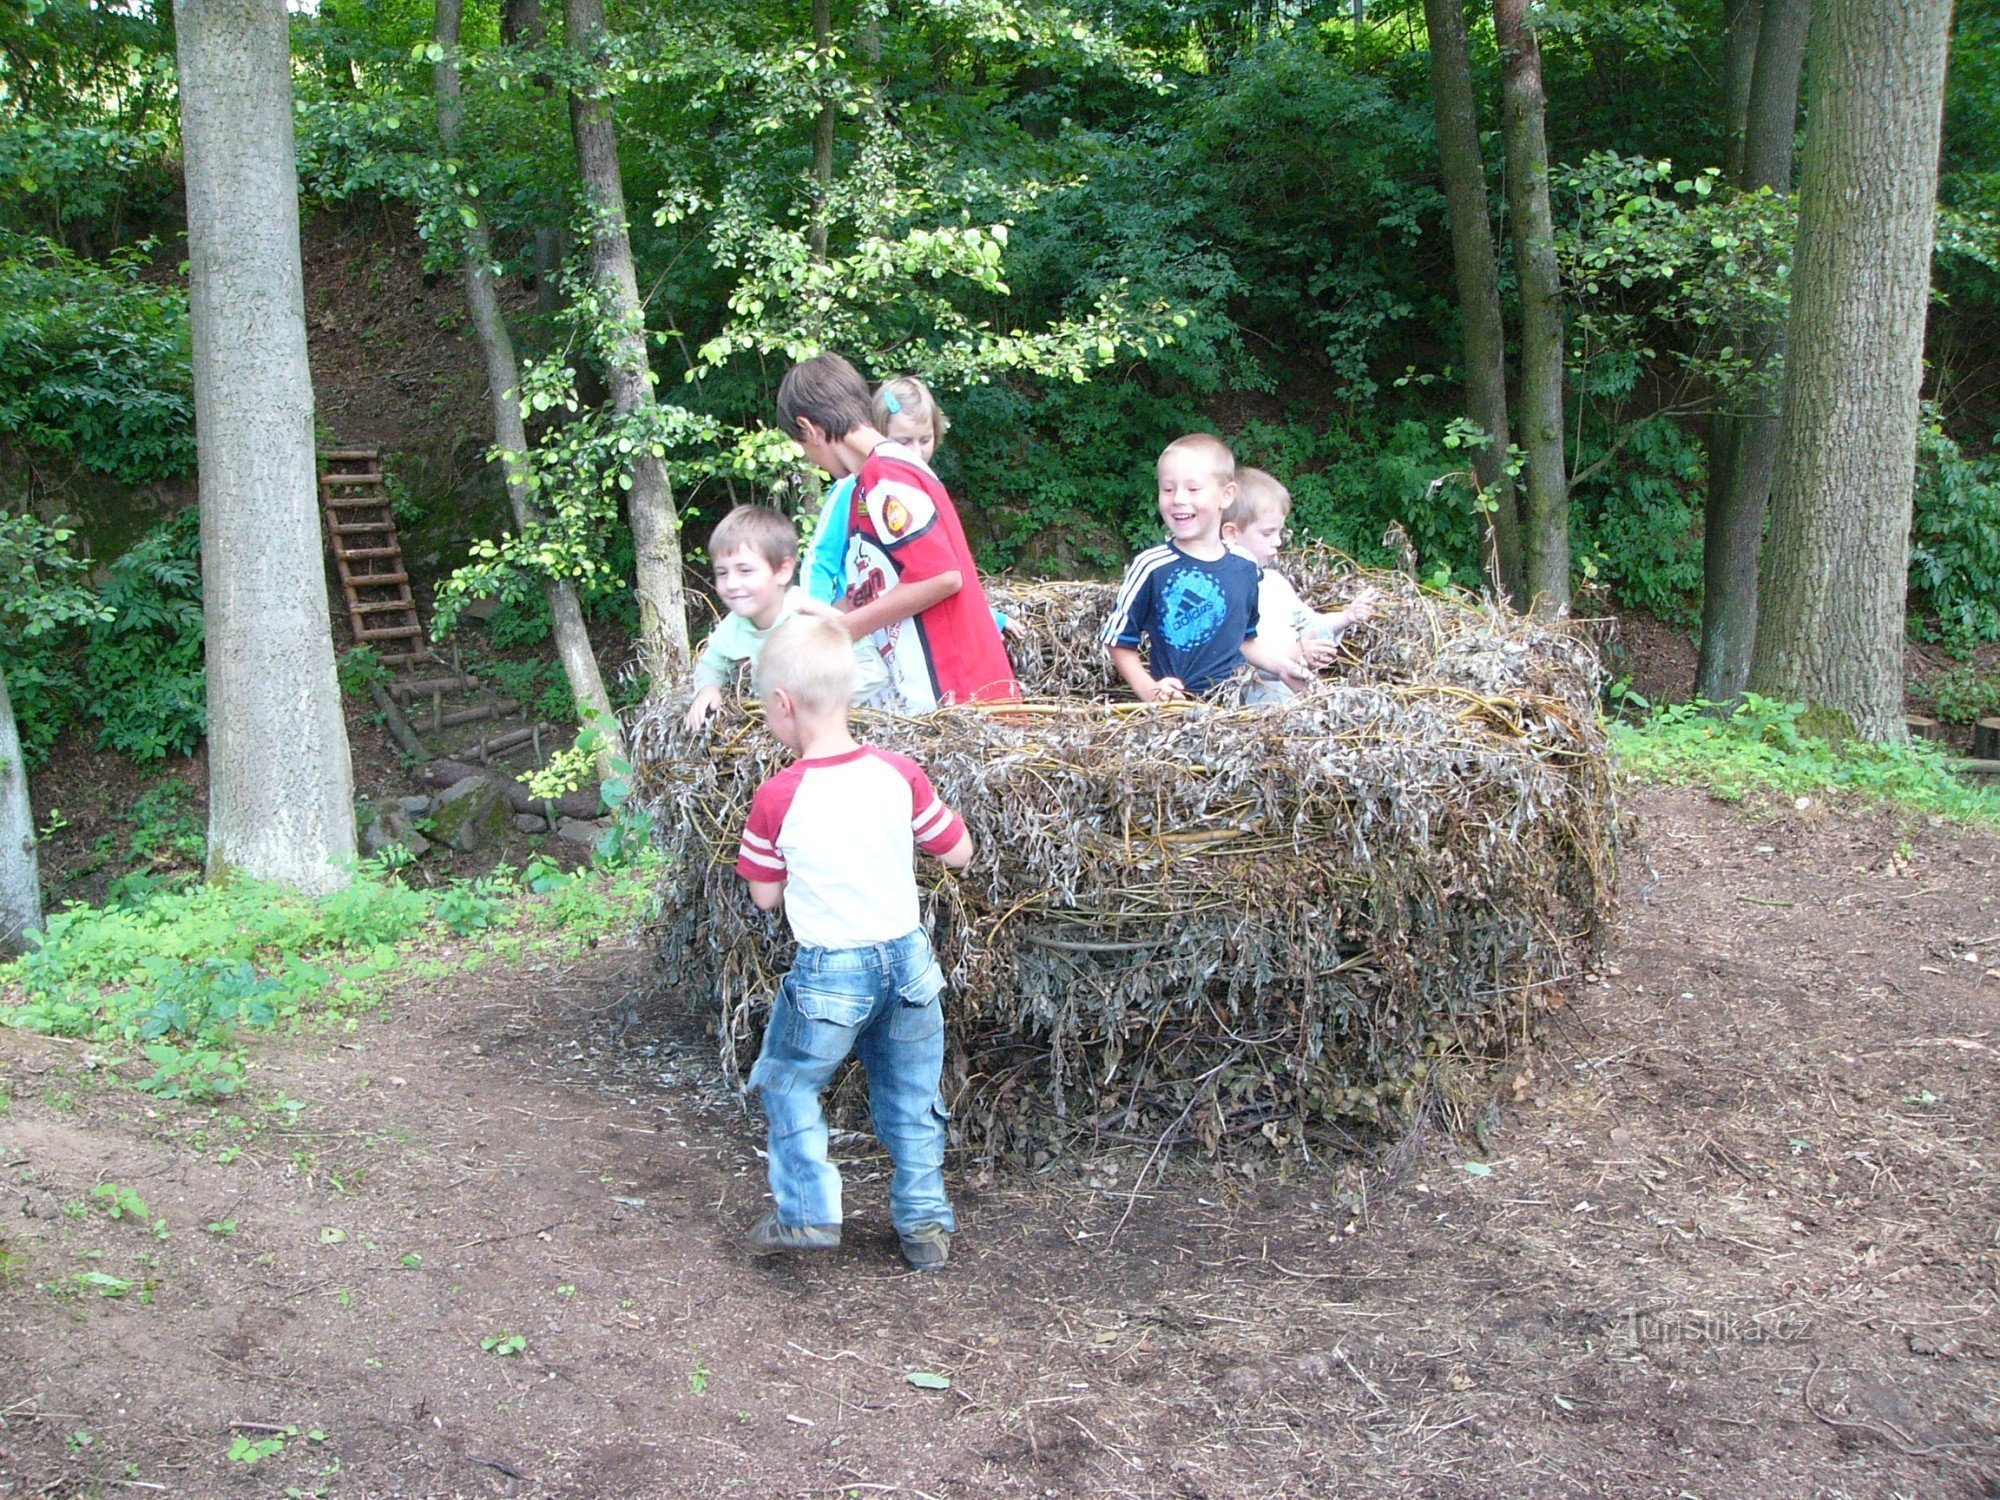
x=355 y=502
x=389 y=633
x=369 y=476
x=376 y=580
x=403 y=658
x=351 y=455
x=378 y=606
x=424 y=687
x=355 y=554
x=351 y=528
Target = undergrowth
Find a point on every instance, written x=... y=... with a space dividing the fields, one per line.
x=184 y=971
x=1763 y=747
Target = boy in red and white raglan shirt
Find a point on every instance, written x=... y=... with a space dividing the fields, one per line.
x=911 y=582
x=831 y=839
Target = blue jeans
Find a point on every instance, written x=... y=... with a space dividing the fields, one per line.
x=882 y=1003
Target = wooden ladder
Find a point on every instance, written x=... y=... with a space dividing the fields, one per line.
x=361 y=530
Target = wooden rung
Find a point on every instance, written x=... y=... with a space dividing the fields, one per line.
x=377 y=606
x=376 y=580
x=349 y=528
x=349 y=455
x=355 y=554
x=355 y=502
x=389 y=633
x=402 y=658
x=370 y=476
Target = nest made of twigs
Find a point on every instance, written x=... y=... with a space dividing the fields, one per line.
x=1210 y=919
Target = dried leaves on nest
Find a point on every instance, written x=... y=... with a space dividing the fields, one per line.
x=1207 y=919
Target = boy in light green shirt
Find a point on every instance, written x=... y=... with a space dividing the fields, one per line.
x=754 y=550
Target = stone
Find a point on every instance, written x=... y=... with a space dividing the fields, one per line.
x=581 y=831
x=471 y=814
x=416 y=807
x=530 y=823
x=377 y=827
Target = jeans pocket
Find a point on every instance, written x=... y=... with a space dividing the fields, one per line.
x=919 y=1011
x=827 y=1018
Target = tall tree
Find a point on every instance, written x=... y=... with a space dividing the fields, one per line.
x=20 y=875
x=1836 y=571
x=503 y=384
x=1478 y=276
x=1743 y=444
x=1742 y=20
x=649 y=503
x=1539 y=409
x=281 y=787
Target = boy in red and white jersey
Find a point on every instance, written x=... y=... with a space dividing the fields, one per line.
x=832 y=839
x=911 y=581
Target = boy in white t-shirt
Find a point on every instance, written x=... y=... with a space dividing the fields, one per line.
x=754 y=550
x=832 y=838
x=1254 y=524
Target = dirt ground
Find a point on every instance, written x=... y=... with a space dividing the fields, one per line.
x=1737 y=1233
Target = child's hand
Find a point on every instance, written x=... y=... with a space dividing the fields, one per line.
x=1169 y=690
x=1363 y=606
x=1016 y=630
x=1295 y=674
x=1320 y=651
x=706 y=702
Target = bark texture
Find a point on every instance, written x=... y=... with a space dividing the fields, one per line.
x=1741 y=20
x=20 y=877
x=649 y=504
x=281 y=788
x=1837 y=564
x=503 y=383
x=1478 y=276
x=1539 y=411
x=1743 y=444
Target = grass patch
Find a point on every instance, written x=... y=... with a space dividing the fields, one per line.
x=182 y=971
x=1763 y=747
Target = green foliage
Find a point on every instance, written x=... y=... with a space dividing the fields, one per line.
x=1964 y=694
x=1767 y=746
x=142 y=664
x=42 y=594
x=358 y=668
x=199 y=1074
x=94 y=360
x=1955 y=543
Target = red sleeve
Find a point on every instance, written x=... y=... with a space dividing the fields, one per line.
x=936 y=827
x=758 y=857
x=902 y=511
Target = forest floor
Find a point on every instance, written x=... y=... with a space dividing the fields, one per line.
x=1738 y=1232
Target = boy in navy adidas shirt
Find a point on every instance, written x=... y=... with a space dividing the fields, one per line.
x=1192 y=599
x=831 y=838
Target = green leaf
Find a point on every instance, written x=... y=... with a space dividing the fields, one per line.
x=926 y=1380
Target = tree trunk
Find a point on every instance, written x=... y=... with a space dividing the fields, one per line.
x=1743 y=445
x=503 y=382
x=663 y=638
x=281 y=788
x=1742 y=20
x=1838 y=562
x=1545 y=517
x=20 y=879
x=822 y=164
x=1478 y=286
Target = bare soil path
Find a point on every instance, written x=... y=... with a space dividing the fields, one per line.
x=1738 y=1234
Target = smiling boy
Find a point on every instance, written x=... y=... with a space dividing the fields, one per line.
x=1192 y=599
x=754 y=550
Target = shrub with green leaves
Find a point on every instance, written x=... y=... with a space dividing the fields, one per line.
x=1955 y=543
x=94 y=360
x=142 y=664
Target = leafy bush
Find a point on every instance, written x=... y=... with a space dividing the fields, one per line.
x=1964 y=694
x=1762 y=746
x=94 y=361
x=143 y=665
x=1955 y=543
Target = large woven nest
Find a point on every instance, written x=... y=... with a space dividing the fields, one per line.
x=1209 y=920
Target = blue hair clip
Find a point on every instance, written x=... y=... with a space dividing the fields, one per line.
x=889 y=400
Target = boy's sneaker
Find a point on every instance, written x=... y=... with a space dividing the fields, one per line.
x=769 y=1237
x=927 y=1247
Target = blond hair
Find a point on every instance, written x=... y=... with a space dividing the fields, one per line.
x=1205 y=445
x=756 y=528
x=810 y=657
x=910 y=397
x=1257 y=495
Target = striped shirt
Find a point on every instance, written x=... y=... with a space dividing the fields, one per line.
x=840 y=832
x=1194 y=614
